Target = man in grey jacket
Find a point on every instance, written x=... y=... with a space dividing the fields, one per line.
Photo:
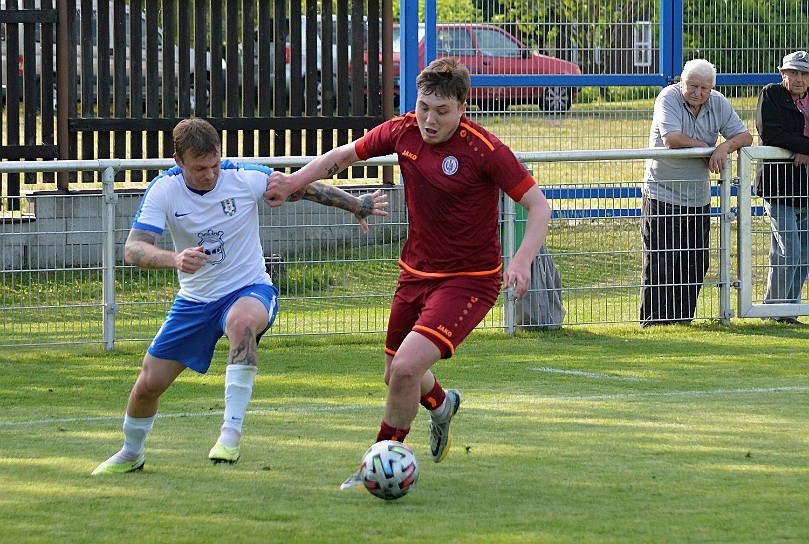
x=676 y=214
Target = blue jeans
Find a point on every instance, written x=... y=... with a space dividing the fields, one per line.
x=789 y=252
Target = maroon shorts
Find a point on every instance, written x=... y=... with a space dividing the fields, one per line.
x=443 y=310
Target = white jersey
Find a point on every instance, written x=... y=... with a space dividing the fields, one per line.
x=223 y=220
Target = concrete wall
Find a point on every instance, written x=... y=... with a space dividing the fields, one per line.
x=66 y=230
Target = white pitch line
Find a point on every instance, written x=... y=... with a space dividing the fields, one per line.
x=314 y=409
x=588 y=374
x=658 y=394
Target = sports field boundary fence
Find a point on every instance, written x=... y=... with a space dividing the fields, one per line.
x=63 y=279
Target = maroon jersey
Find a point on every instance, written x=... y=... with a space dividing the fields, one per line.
x=452 y=193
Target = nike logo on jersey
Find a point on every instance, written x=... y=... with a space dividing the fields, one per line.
x=178 y=214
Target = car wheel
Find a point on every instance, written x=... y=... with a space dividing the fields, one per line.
x=192 y=89
x=557 y=99
x=318 y=93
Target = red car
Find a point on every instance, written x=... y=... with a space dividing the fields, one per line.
x=488 y=49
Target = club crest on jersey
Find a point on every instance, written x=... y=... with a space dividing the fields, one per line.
x=229 y=206
x=449 y=165
x=213 y=245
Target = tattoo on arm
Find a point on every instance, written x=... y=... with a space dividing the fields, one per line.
x=139 y=248
x=366 y=206
x=332 y=170
x=139 y=235
x=329 y=195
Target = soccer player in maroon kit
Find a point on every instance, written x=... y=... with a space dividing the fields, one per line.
x=453 y=171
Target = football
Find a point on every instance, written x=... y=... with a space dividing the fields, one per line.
x=389 y=470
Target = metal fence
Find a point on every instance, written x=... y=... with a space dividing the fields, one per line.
x=63 y=280
x=626 y=50
x=94 y=80
x=753 y=242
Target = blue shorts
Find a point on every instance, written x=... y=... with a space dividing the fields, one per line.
x=192 y=329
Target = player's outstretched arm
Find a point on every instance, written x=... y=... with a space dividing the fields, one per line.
x=329 y=195
x=280 y=186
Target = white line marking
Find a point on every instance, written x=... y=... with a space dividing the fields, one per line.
x=658 y=394
x=587 y=374
x=192 y=414
x=314 y=409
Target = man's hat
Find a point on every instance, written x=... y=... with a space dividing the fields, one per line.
x=799 y=60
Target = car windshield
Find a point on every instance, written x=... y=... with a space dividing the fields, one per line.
x=454 y=41
x=493 y=43
x=94 y=30
x=334 y=30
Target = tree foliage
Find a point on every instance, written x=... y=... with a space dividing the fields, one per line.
x=736 y=35
x=744 y=35
x=562 y=27
x=456 y=11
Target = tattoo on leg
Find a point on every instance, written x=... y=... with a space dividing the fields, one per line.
x=245 y=352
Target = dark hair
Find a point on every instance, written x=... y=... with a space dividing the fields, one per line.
x=196 y=137
x=445 y=77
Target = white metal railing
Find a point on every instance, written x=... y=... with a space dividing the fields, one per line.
x=747 y=157
x=107 y=169
x=726 y=217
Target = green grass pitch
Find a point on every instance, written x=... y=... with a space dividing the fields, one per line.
x=587 y=434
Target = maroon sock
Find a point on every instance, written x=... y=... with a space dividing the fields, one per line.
x=386 y=432
x=434 y=398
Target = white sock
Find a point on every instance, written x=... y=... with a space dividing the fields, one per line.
x=229 y=437
x=239 y=381
x=136 y=429
x=440 y=413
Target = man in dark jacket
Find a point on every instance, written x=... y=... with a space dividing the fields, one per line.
x=782 y=119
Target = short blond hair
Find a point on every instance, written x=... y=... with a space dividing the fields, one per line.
x=196 y=137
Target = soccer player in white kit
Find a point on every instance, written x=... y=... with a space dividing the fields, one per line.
x=211 y=207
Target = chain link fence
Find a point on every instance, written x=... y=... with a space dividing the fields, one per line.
x=63 y=279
